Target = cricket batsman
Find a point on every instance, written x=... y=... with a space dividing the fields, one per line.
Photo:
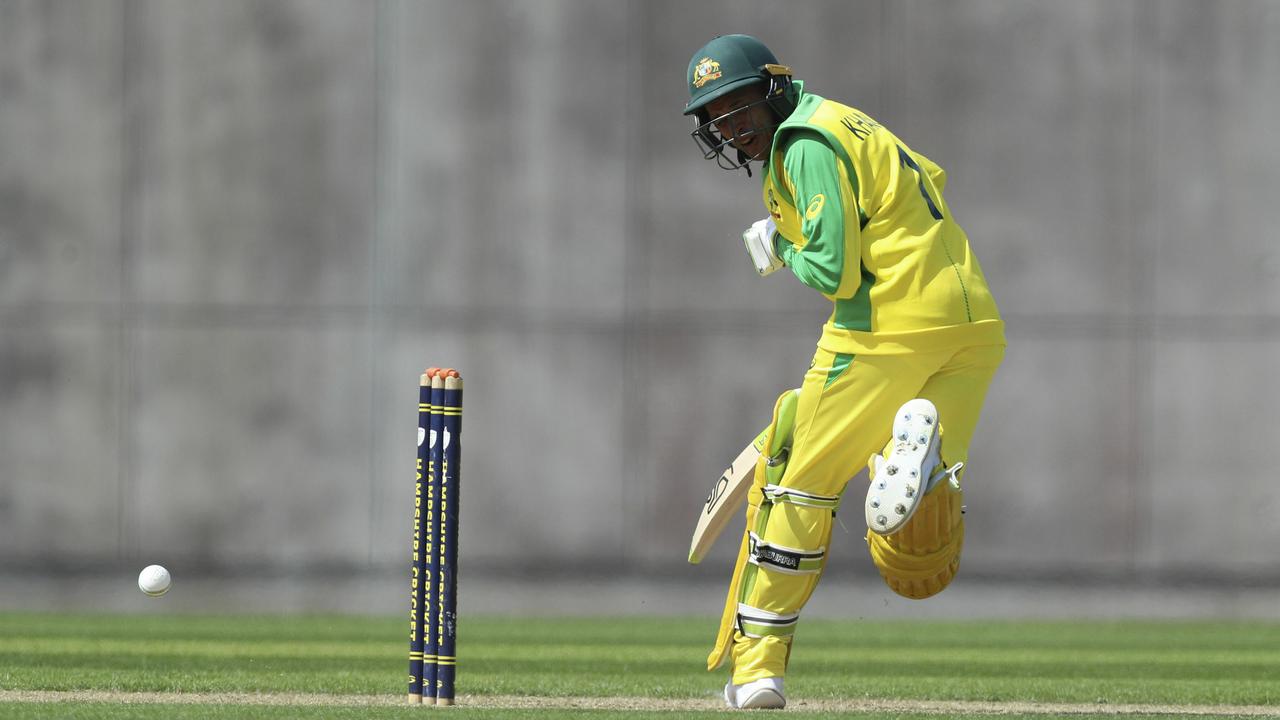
x=902 y=365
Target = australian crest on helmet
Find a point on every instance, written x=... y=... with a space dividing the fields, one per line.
x=705 y=71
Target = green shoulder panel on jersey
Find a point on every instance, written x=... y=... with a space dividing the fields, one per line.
x=853 y=313
x=799 y=122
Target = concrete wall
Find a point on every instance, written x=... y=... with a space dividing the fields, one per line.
x=232 y=234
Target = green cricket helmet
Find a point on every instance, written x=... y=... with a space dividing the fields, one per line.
x=722 y=66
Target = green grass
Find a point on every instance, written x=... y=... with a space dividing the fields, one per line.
x=31 y=711
x=1059 y=662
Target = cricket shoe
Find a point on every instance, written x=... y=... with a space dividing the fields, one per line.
x=762 y=694
x=913 y=466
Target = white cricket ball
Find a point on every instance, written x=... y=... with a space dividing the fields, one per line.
x=154 y=580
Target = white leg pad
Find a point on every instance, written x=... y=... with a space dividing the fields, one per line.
x=901 y=480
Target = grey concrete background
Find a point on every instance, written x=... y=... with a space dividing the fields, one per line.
x=232 y=234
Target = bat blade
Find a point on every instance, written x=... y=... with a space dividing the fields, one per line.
x=725 y=498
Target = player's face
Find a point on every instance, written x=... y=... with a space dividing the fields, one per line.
x=745 y=120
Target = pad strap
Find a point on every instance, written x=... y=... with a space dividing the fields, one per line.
x=756 y=623
x=779 y=494
x=950 y=473
x=780 y=558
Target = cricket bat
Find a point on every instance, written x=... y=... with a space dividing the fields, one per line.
x=726 y=496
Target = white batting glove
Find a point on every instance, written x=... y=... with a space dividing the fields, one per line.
x=759 y=242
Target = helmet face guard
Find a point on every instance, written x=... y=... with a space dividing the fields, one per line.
x=712 y=142
x=779 y=97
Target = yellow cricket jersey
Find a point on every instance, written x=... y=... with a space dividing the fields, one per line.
x=861 y=218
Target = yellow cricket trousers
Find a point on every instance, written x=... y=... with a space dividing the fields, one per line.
x=844 y=415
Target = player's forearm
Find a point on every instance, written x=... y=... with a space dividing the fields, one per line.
x=812 y=268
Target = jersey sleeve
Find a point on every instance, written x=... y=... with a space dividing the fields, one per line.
x=829 y=258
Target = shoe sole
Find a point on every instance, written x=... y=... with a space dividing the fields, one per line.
x=764 y=700
x=897 y=489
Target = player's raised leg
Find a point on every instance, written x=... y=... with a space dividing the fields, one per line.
x=919 y=556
